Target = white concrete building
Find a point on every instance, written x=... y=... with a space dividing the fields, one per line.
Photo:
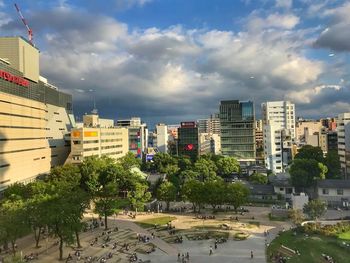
x=279 y=133
x=343 y=129
x=162 y=137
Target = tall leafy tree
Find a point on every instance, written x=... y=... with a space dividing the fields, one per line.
x=194 y=192
x=333 y=164
x=236 y=195
x=184 y=163
x=315 y=209
x=162 y=160
x=206 y=169
x=188 y=175
x=214 y=193
x=227 y=165
x=304 y=172
x=129 y=161
x=167 y=192
x=139 y=196
x=310 y=152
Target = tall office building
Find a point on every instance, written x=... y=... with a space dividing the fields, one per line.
x=210 y=125
x=35 y=117
x=237 y=130
x=138 y=135
x=259 y=142
x=162 y=137
x=98 y=137
x=203 y=125
x=188 y=141
x=343 y=128
x=279 y=134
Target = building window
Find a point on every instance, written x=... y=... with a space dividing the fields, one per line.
x=281 y=189
x=325 y=191
x=340 y=191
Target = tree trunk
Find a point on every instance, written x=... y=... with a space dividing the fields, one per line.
x=13 y=243
x=106 y=222
x=37 y=234
x=61 y=248
x=78 y=239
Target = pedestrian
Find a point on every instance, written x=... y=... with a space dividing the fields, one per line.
x=251 y=255
x=178 y=256
x=216 y=245
x=210 y=250
x=188 y=256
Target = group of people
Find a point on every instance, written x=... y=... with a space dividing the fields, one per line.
x=183 y=258
x=30 y=257
x=205 y=217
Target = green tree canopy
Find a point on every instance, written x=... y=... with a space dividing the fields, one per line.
x=194 y=192
x=333 y=164
x=167 y=192
x=214 y=193
x=227 y=165
x=162 y=160
x=129 y=161
x=304 y=172
x=206 y=169
x=139 y=196
x=310 y=152
x=315 y=209
x=258 y=178
x=188 y=175
x=236 y=195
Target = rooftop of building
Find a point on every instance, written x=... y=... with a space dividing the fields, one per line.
x=334 y=183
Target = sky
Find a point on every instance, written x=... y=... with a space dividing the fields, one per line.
x=174 y=60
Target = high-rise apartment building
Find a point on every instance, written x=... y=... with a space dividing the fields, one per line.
x=35 y=117
x=279 y=133
x=210 y=125
x=98 y=137
x=343 y=128
x=259 y=142
x=237 y=129
x=188 y=141
x=162 y=137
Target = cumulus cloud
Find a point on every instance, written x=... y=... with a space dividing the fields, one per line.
x=174 y=73
x=337 y=34
x=286 y=4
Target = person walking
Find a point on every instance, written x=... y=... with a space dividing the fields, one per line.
x=210 y=251
x=251 y=255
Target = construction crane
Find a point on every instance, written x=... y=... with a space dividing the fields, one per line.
x=30 y=31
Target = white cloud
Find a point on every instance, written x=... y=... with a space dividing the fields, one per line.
x=275 y=20
x=307 y=95
x=287 y=4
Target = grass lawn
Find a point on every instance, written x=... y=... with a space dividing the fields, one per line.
x=344 y=236
x=310 y=248
x=155 y=221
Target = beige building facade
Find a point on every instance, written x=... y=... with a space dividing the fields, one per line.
x=35 y=119
x=98 y=140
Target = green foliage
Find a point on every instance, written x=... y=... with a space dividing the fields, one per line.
x=304 y=172
x=206 y=169
x=167 y=192
x=129 y=161
x=139 y=196
x=227 y=165
x=333 y=164
x=315 y=209
x=296 y=215
x=214 y=193
x=258 y=178
x=162 y=160
x=310 y=152
x=194 y=192
x=184 y=163
x=236 y=194
x=188 y=175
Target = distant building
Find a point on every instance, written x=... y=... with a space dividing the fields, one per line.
x=306 y=127
x=332 y=141
x=98 y=137
x=188 y=141
x=259 y=142
x=237 y=130
x=138 y=135
x=161 y=138
x=203 y=125
x=334 y=192
x=343 y=128
x=279 y=134
x=209 y=143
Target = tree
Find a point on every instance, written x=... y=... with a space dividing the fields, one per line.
x=139 y=196
x=236 y=194
x=258 y=178
x=162 y=160
x=167 y=193
x=184 y=163
x=315 y=209
x=297 y=216
x=188 y=175
x=227 y=165
x=304 y=172
x=206 y=169
x=13 y=223
x=333 y=164
x=214 y=193
x=193 y=191
x=129 y=161
x=310 y=152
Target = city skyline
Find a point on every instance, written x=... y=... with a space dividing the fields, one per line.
x=179 y=65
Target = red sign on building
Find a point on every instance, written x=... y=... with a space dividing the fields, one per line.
x=188 y=124
x=14 y=79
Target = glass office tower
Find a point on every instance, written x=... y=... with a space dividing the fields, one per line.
x=237 y=129
x=187 y=143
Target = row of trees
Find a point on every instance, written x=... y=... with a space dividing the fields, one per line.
x=58 y=202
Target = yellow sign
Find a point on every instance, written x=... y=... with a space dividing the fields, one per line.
x=90 y=134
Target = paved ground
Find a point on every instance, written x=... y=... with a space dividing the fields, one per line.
x=231 y=251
